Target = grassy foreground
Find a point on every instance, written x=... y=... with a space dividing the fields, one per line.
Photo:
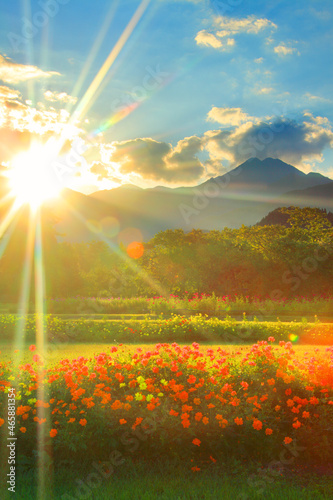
x=172 y=481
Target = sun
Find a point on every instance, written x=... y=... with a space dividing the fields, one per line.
x=32 y=179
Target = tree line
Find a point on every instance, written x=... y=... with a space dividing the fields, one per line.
x=279 y=260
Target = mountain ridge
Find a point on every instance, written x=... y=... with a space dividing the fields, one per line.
x=242 y=196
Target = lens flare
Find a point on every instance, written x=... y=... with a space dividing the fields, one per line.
x=135 y=250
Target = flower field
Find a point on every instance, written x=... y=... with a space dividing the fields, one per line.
x=190 y=402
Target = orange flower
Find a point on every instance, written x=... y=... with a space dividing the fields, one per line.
x=1 y=421
x=185 y=423
x=287 y=440
x=212 y=459
x=116 y=405
x=205 y=420
x=71 y=420
x=173 y=412
x=122 y=421
x=22 y=409
x=290 y=402
x=23 y=429
x=83 y=422
x=32 y=348
x=268 y=432
x=306 y=414
x=195 y=469
x=196 y=401
x=196 y=441
x=277 y=408
x=271 y=381
x=238 y=421
x=53 y=433
x=198 y=416
x=137 y=422
x=297 y=424
x=257 y=424
x=183 y=396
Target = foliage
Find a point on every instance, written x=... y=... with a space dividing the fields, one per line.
x=177 y=328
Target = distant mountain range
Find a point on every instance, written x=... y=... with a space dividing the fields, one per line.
x=242 y=196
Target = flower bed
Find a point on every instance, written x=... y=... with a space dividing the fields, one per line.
x=184 y=401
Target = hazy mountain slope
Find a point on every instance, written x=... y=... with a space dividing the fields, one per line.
x=243 y=196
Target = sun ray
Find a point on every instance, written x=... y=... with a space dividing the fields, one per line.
x=95 y=48
x=9 y=218
x=40 y=344
x=129 y=261
x=23 y=302
x=89 y=97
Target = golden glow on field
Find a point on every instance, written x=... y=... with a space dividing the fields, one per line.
x=32 y=178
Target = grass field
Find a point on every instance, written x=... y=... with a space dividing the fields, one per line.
x=163 y=480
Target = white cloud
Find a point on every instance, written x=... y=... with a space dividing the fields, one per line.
x=153 y=161
x=265 y=90
x=294 y=142
x=11 y=72
x=260 y=60
x=228 y=116
x=8 y=93
x=208 y=39
x=225 y=28
x=59 y=96
x=316 y=98
x=282 y=50
x=250 y=24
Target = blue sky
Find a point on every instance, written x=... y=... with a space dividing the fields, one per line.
x=232 y=78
